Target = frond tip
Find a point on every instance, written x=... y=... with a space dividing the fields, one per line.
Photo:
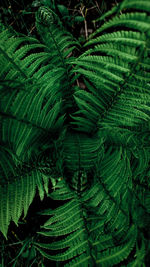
x=17 y=196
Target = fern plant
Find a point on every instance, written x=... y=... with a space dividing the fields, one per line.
x=75 y=127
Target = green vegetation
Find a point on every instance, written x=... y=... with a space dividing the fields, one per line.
x=75 y=124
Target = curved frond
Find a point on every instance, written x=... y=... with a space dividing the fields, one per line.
x=115 y=69
x=79 y=224
x=17 y=188
x=58 y=41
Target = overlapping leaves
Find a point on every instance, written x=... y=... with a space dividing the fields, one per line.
x=103 y=128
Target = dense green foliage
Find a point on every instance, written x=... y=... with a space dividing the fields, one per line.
x=75 y=128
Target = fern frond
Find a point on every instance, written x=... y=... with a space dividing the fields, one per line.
x=115 y=69
x=116 y=255
x=58 y=40
x=16 y=197
x=80 y=150
x=18 y=183
x=29 y=113
x=133 y=4
x=131 y=38
x=82 y=236
x=136 y=21
x=30 y=104
x=79 y=127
